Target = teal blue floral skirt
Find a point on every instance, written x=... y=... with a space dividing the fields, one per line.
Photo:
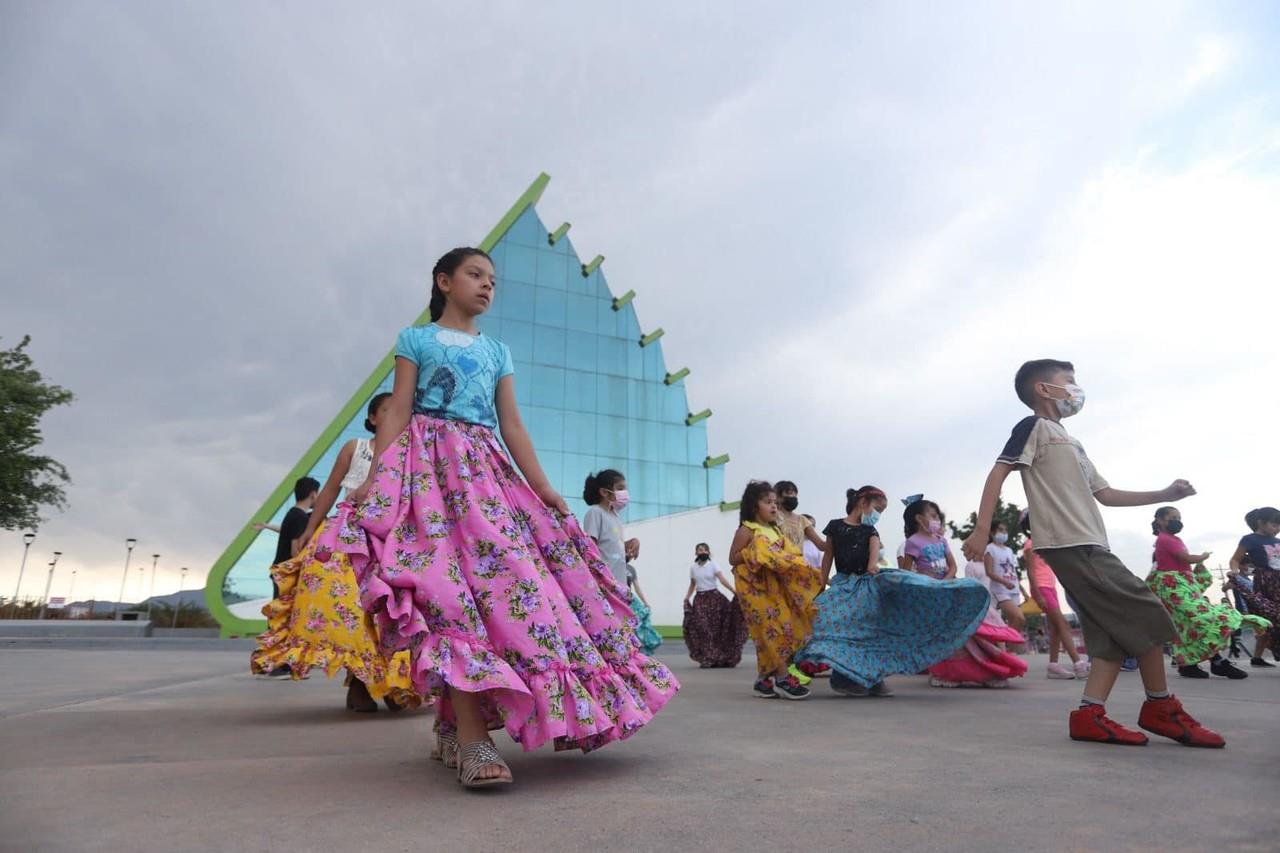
x=648 y=636
x=892 y=622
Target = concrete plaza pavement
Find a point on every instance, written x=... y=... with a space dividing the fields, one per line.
x=172 y=745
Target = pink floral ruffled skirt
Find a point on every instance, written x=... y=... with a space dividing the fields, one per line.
x=460 y=562
x=981 y=660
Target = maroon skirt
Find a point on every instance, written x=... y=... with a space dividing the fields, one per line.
x=1265 y=600
x=714 y=630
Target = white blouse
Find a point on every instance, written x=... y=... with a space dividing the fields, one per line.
x=703 y=575
x=361 y=462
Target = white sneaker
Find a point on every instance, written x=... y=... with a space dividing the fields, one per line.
x=1058 y=671
x=1082 y=668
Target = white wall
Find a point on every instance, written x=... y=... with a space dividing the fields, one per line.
x=666 y=553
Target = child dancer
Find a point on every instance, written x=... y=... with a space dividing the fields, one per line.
x=875 y=622
x=1000 y=568
x=1262 y=549
x=796 y=527
x=1044 y=591
x=1234 y=595
x=648 y=636
x=510 y=614
x=776 y=589
x=714 y=629
x=606 y=497
x=1120 y=616
x=1179 y=580
x=811 y=547
x=980 y=662
x=315 y=619
x=925 y=550
x=1240 y=585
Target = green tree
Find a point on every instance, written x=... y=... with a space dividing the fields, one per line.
x=28 y=480
x=1010 y=514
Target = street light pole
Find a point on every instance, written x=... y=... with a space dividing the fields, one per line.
x=128 y=543
x=155 y=558
x=48 y=585
x=44 y=603
x=71 y=592
x=177 y=607
x=27 y=539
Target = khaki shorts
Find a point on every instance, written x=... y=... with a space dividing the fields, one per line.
x=1119 y=616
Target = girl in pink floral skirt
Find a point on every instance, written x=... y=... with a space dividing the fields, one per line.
x=510 y=614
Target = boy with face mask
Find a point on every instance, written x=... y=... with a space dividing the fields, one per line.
x=1120 y=616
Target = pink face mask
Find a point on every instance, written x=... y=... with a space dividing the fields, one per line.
x=935 y=526
x=620 y=499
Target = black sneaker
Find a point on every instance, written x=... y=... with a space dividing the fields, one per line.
x=764 y=689
x=881 y=689
x=790 y=688
x=1227 y=669
x=282 y=671
x=847 y=686
x=1259 y=663
x=1192 y=672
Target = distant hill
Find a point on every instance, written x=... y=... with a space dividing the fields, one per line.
x=190 y=598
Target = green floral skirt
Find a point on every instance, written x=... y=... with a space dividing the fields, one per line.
x=1204 y=629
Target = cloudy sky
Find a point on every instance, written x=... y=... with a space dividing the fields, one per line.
x=854 y=222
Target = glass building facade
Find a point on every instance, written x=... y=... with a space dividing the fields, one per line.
x=595 y=392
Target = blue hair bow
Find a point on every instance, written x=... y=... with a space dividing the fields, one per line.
x=908 y=501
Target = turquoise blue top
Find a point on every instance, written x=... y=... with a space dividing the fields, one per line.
x=458 y=373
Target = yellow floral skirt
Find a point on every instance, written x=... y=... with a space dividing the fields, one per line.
x=316 y=622
x=776 y=589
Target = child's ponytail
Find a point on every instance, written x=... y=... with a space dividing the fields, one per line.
x=591 y=490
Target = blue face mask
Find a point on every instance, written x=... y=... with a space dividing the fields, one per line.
x=870 y=518
x=1001 y=538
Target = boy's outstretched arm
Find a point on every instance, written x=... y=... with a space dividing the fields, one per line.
x=1175 y=491
x=976 y=545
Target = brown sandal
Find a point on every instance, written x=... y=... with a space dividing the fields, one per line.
x=473 y=758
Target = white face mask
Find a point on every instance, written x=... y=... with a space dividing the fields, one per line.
x=1074 y=401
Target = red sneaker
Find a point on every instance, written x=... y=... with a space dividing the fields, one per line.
x=1091 y=723
x=1165 y=717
